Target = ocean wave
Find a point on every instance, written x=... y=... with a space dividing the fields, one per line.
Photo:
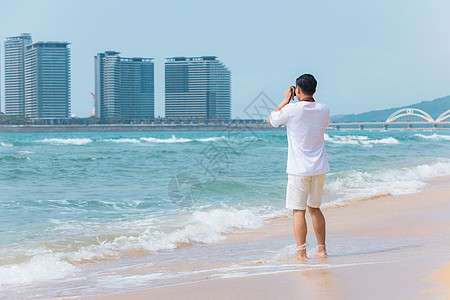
x=434 y=137
x=69 y=141
x=204 y=227
x=351 y=185
x=211 y=139
x=174 y=139
x=122 y=140
x=25 y=152
x=84 y=141
x=14 y=157
x=360 y=140
x=3 y=144
x=40 y=267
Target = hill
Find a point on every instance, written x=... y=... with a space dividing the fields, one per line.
x=434 y=108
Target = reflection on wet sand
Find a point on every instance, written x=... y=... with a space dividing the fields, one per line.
x=319 y=283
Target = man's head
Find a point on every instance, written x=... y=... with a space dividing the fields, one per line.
x=307 y=84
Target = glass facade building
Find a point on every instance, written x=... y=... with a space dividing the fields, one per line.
x=124 y=87
x=198 y=87
x=47 y=80
x=14 y=78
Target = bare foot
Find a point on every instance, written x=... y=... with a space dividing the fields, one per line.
x=301 y=255
x=320 y=252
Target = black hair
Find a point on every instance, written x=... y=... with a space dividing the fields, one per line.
x=307 y=84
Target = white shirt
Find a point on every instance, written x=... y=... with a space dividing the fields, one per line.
x=306 y=123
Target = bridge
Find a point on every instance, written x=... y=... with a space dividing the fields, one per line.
x=403 y=118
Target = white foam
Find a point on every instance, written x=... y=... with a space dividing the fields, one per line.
x=219 y=221
x=56 y=141
x=287 y=253
x=360 y=140
x=83 y=141
x=25 y=152
x=125 y=281
x=388 y=140
x=87 y=253
x=5 y=144
x=122 y=140
x=173 y=139
x=38 y=268
x=355 y=184
x=203 y=227
x=434 y=137
x=211 y=139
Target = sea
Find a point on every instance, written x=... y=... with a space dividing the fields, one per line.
x=91 y=213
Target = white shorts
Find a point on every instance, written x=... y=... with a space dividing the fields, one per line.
x=300 y=187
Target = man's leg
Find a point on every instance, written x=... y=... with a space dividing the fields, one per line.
x=300 y=230
x=318 y=221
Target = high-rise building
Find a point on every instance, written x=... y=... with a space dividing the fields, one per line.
x=47 y=80
x=197 y=87
x=15 y=74
x=124 y=87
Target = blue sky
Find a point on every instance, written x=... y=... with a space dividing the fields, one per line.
x=365 y=54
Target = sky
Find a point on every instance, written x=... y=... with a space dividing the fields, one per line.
x=365 y=55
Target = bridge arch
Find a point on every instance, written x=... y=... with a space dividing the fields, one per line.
x=410 y=112
x=443 y=116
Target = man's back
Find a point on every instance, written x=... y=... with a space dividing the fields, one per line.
x=306 y=123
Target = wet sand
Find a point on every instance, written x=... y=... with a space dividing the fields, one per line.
x=392 y=247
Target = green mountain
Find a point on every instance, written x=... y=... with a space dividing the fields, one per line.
x=434 y=108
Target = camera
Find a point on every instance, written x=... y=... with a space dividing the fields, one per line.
x=292 y=93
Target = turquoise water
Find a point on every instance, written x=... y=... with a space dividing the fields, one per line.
x=71 y=198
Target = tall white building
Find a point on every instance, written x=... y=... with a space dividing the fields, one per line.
x=14 y=77
x=47 y=80
x=197 y=87
x=124 y=87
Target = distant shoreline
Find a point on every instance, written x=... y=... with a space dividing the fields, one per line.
x=168 y=128
x=131 y=128
x=189 y=127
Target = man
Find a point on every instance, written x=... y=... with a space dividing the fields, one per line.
x=307 y=163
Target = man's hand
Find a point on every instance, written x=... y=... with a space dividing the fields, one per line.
x=288 y=93
x=287 y=98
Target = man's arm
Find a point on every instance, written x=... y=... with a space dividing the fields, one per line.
x=287 y=98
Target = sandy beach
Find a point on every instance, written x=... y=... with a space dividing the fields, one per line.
x=409 y=256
